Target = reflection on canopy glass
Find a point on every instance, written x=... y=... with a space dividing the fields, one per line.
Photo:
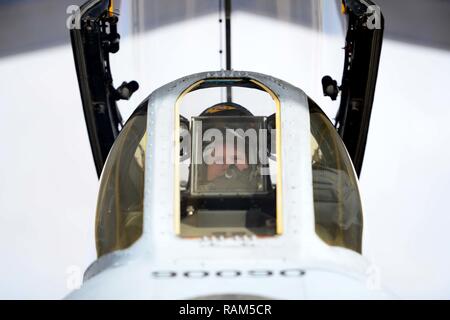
x=337 y=205
x=121 y=198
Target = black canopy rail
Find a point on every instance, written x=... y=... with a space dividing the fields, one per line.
x=94 y=36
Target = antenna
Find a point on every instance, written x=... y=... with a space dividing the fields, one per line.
x=225 y=42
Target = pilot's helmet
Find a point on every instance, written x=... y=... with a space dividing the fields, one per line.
x=226 y=109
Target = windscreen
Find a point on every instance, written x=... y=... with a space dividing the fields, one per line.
x=228 y=173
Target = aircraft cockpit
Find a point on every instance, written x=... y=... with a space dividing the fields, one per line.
x=229 y=171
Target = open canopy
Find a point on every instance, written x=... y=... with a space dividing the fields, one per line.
x=95 y=36
x=228 y=167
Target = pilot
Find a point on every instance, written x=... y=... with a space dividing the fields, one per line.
x=234 y=171
x=237 y=163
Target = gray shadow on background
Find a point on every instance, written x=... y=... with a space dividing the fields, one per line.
x=28 y=25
